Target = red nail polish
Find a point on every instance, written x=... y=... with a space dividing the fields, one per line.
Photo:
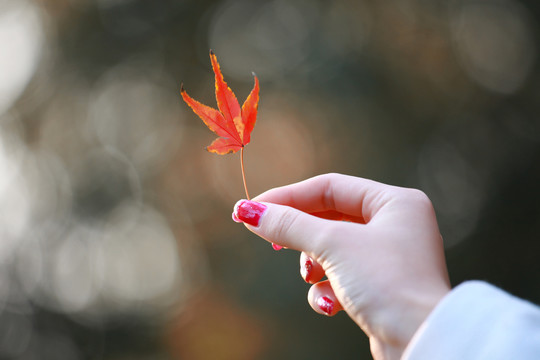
x=249 y=212
x=277 y=247
x=325 y=304
x=306 y=269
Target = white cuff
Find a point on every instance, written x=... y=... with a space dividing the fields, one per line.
x=478 y=321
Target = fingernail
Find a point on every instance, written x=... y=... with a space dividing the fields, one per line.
x=325 y=304
x=305 y=270
x=277 y=247
x=249 y=212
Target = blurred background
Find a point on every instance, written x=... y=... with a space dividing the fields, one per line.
x=116 y=238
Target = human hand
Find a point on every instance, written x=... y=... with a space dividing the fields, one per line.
x=378 y=245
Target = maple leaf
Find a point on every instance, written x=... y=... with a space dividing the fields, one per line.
x=231 y=123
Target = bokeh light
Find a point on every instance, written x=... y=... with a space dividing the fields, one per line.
x=495 y=42
x=21 y=36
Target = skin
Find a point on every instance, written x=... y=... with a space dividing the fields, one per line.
x=379 y=247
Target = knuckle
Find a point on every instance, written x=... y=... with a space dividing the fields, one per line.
x=325 y=239
x=418 y=195
x=419 y=198
x=328 y=178
x=284 y=225
x=293 y=229
x=333 y=175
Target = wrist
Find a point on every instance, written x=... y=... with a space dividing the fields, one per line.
x=391 y=333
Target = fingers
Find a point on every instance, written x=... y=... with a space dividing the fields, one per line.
x=285 y=226
x=335 y=215
x=295 y=229
x=355 y=197
x=310 y=270
x=321 y=296
x=322 y=299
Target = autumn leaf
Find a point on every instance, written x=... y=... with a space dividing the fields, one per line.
x=231 y=123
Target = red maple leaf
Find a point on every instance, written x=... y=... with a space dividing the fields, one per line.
x=231 y=123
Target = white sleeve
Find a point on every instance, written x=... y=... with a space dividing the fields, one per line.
x=478 y=321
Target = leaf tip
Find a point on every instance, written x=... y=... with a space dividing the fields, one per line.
x=182 y=88
x=212 y=52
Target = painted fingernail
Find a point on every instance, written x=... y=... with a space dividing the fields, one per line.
x=277 y=247
x=325 y=304
x=305 y=269
x=249 y=212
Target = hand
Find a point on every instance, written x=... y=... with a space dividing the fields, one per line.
x=378 y=245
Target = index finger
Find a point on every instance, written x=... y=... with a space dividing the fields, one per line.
x=354 y=197
x=336 y=215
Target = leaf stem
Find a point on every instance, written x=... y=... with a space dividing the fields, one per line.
x=243 y=173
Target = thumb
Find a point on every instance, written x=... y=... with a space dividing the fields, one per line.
x=282 y=225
